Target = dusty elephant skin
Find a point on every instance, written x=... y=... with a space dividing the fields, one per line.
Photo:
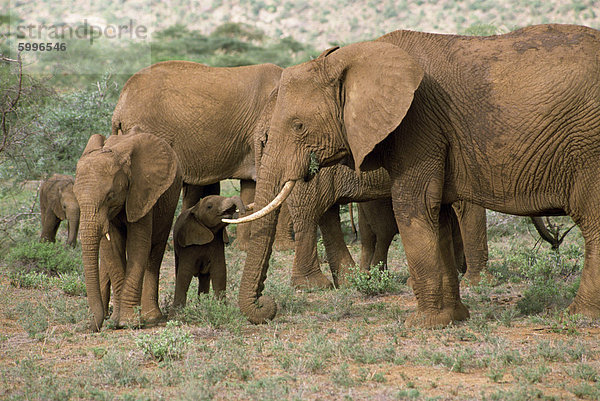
x=316 y=202
x=217 y=112
x=127 y=188
x=199 y=239
x=507 y=122
x=58 y=203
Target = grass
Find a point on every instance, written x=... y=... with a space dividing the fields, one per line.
x=347 y=343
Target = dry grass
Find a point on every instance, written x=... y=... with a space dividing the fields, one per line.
x=323 y=345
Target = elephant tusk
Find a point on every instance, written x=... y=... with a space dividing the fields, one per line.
x=107 y=236
x=275 y=203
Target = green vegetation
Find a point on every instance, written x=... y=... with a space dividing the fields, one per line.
x=170 y=344
x=375 y=281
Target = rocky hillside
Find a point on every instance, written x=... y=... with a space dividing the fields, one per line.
x=318 y=22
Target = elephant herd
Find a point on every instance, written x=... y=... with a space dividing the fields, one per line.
x=426 y=130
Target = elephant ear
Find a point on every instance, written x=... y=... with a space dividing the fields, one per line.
x=193 y=232
x=95 y=142
x=57 y=203
x=153 y=169
x=328 y=52
x=377 y=84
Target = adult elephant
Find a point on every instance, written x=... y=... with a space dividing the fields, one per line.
x=316 y=203
x=210 y=116
x=508 y=122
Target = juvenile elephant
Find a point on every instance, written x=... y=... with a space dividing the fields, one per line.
x=508 y=122
x=127 y=188
x=199 y=238
x=58 y=203
x=217 y=112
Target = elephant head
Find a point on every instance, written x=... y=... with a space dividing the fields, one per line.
x=374 y=79
x=122 y=176
x=204 y=219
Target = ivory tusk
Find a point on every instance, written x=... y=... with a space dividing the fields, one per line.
x=107 y=236
x=275 y=203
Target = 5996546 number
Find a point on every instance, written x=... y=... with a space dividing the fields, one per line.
x=41 y=47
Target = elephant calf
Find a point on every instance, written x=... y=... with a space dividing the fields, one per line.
x=58 y=203
x=199 y=238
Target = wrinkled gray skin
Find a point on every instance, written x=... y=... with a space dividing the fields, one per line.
x=215 y=112
x=508 y=122
x=58 y=203
x=199 y=239
x=316 y=203
x=377 y=228
x=127 y=187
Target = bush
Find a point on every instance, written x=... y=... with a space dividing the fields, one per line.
x=51 y=259
x=45 y=265
x=375 y=281
x=171 y=343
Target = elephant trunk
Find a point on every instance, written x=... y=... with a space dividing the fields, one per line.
x=237 y=201
x=91 y=232
x=256 y=307
x=73 y=224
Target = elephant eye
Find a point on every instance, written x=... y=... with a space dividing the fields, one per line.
x=110 y=196
x=298 y=126
x=209 y=206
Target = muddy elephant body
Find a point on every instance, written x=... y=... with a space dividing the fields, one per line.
x=58 y=203
x=199 y=239
x=507 y=122
x=128 y=188
x=215 y=112
x=316 y=203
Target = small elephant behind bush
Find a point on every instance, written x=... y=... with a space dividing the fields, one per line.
x=58 y=203
x=199 y=238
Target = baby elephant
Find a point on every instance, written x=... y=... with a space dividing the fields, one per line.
x=199 y=238
x=58 y=203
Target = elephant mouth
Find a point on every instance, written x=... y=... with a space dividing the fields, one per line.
x=229 y=213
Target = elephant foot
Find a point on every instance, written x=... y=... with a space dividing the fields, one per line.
x=312 y=281
x=153 y=318
x=578 y=307
x=471 y=279
x=126 y=317
x=438 y=318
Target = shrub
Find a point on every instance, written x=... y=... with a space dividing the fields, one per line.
x=375 y=281
x=171 y=343
x=51 y=259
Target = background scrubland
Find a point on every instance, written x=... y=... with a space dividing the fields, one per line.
x=348 y=343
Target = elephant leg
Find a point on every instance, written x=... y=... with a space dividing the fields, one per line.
x=50 y=225
x=193 y=193
x=472 y=221
x=587 y=299
x=186 y=265
x=338 y=256
x=150 y=308
x=367 y=239
x=284 y=233
x=218 y=273
x=385 y=230
x=138 y=245
x=247 y=190
x=306 y=271
x=425 y=230
x=112 y=269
